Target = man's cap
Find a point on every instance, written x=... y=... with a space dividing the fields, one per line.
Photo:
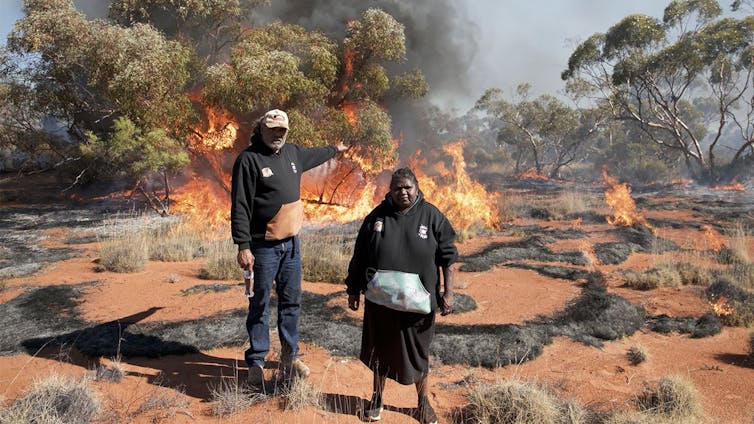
x=275 y=118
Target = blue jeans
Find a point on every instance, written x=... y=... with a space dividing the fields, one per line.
x=279 y=261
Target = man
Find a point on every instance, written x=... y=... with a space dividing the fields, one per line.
x=266 y=216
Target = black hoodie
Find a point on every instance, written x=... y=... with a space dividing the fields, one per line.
x=266 y=189
x=417 y=241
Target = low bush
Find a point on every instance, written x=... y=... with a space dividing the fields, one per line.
x=230 y=398
x=637 y=354
x=675 y=400
x=299 y=395
x=516 y=402
x=663 y=275
x=568 y=203
x=127 y=253
x=56 y=399
x=325 y=255
x=174 y=244
x=221 y=262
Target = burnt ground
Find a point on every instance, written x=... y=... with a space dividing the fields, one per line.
x=51 y=313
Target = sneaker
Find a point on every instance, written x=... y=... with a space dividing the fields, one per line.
x=296 y=369
x=426 y=413
x=256 y=376
x=373 y=409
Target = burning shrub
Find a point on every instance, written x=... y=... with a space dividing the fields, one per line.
x=675 y=399
x=733 y=305
x=128 y=253
x=516 y=402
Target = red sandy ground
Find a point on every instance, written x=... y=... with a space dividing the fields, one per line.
x=598 y=378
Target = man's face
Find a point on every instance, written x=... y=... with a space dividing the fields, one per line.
x=404 y=192
x=274 y=138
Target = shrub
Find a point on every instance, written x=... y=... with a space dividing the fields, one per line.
x=569 y=202
x=230 y=398
x=694 y=275
x=128 y=253
x=299 y=394
x=174 y=244
x=325 y=256
x=676 y=399
x=742 y=275
x=221 y=262
x=637 y=354
x=516 y=402
x=56 y=399
x=738 y=246
x=511 y=206
x=663 y=275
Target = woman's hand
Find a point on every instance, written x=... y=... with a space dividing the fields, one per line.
x=446 y=303
x=353 y=301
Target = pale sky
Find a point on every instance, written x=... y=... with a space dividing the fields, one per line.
x=517 y=40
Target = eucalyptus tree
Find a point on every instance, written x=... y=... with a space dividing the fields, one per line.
x=545 y=131
x=652 y=72
x=87 y=74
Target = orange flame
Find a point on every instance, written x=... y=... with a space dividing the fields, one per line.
x=532 y=174
x=721 y=307
x=618 y=197
x=714 y=239
x=203 y=205
x=734 y=186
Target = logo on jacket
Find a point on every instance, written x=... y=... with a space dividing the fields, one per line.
x=267 y=172
x=293 y=167
x=423 y=231
x=378 y=226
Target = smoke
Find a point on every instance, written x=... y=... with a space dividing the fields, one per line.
x=439 y=33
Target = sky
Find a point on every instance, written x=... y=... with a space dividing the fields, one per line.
x=495 y=43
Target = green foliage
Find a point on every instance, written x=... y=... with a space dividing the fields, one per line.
x=130 y=152
x=652 y=72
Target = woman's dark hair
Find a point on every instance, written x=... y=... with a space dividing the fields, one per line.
x=256 y=133
x=406 y=173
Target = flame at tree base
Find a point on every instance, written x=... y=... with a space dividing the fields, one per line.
x=618 y=197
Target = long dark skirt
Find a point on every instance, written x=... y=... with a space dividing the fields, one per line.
x=395 y=344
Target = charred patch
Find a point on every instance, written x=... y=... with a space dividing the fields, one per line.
x=532 y=248
x=704 y=326
x=554 y=271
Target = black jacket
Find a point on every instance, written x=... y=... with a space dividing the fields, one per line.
x=418 y=242
x=266 y=189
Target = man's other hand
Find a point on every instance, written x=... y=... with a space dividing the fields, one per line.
x=341 y=147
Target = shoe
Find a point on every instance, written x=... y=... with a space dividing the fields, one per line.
x=426 y=413
x=256 y=376
x=373 y=409
x=296 y=369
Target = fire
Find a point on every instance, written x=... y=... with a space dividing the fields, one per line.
x=721 y=307
x=205 y=205
x=714 y=240
x=463 y=201
x=734 y=186
x=532 y=174
x=221 y=131
x=618 y=197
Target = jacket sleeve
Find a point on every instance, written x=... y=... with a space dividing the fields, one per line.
x=243 y=186
x=356 y=281
x=446 y=253
x=311 y=157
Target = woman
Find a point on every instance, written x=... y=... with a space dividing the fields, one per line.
x=407 y=234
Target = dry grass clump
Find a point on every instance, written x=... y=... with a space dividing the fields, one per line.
x=230 y=398
x=174 y=244
x=127 y=253
x=516 y=402
x=637 y=354
x=56 y=399
x=568 y=203
x=663 y=275
x=694 y=275
x=114 y=373
x=675 y=400
x=742 y=275
x=299 y=395
x=221 y=262
x=737 y=249
x=325 y=256
x=512 y=206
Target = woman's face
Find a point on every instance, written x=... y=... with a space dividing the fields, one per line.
x=404 y=192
